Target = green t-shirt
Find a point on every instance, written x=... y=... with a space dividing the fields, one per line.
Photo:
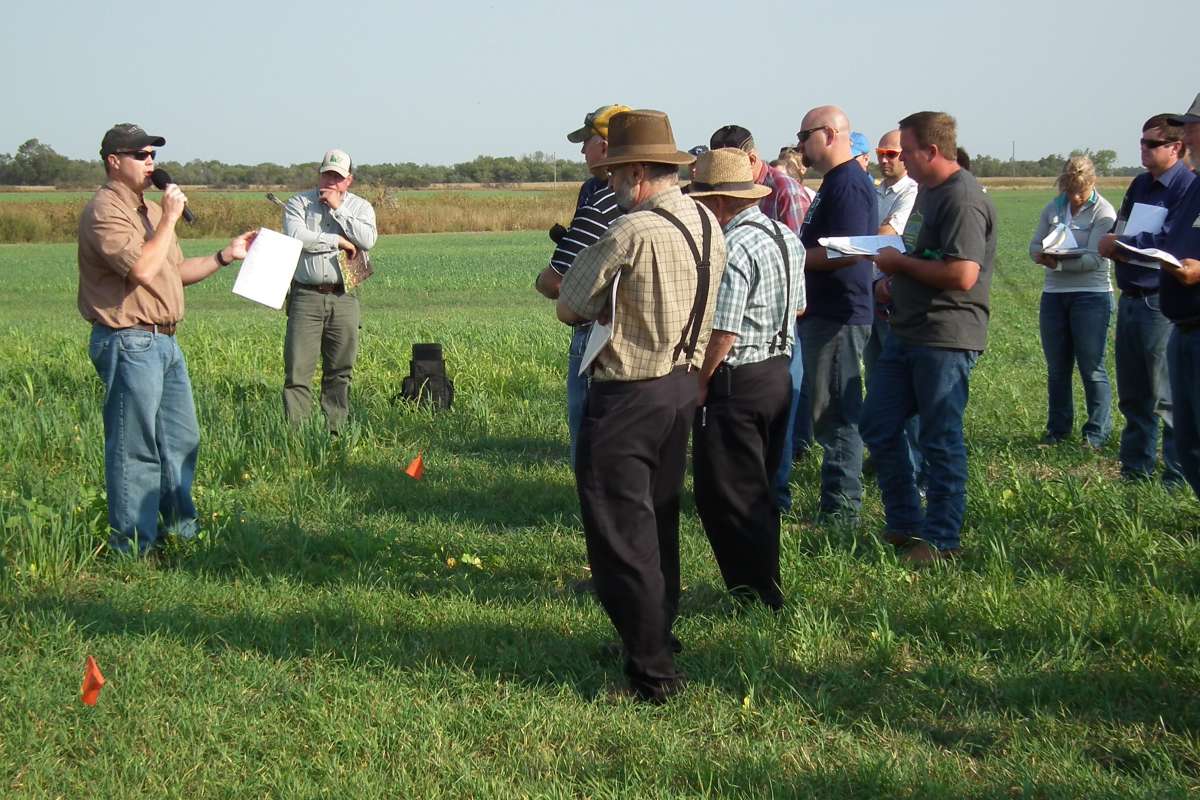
x=955 y=220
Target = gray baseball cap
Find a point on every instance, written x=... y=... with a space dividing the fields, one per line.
x=1191 y=115
x=127 y=136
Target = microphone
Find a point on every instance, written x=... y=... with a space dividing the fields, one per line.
x=161 y=180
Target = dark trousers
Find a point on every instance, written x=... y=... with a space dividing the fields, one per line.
x=631 y=458
x=738 y=444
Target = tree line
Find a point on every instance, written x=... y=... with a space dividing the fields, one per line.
x=38 y=164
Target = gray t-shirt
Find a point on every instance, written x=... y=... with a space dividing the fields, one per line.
x=956 y=220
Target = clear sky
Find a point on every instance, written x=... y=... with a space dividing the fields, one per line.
x=441 y=82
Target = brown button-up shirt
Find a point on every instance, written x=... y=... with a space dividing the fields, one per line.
x=114 y=226
x=657 y=288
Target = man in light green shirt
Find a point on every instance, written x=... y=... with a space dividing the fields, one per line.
x=323 y=318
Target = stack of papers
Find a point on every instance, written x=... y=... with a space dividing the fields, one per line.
x=1061 y=242
x=842 y=246
x=1151 y=253
x=267 y=271
x=1145 y=218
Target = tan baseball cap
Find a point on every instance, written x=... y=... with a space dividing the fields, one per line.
x=337 y=161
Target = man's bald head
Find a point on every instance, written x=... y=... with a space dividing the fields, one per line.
x=824 y=137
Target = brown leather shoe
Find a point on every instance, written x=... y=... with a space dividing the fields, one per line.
x=919 y=553
x=898 y=538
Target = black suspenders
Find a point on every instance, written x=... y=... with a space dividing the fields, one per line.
x=691 y=330
x=780 y=340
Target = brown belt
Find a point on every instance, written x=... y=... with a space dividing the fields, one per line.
x=323 y=288
x=166 y=329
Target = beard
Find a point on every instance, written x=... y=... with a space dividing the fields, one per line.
x=625 y=196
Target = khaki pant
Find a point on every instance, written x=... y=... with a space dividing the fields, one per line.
x=324 y=324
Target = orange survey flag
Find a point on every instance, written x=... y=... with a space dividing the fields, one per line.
x=93 y=682
x=417 y=467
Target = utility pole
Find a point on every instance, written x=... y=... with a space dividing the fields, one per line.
x=1013 y=161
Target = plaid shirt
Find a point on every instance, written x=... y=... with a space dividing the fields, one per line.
x=657 y=289
x=751 y=301
x=787 y=203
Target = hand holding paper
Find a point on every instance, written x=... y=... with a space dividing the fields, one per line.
x=842 y=246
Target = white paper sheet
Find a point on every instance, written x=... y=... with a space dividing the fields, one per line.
x=600 y=334
x=1144 y=218
x=268 y=269
x=1060 y=241
x=1151 y=253
x=842 y=246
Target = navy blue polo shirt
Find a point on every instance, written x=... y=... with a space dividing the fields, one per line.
x=1178 y=302
x=846 y=205
x=1165 y=191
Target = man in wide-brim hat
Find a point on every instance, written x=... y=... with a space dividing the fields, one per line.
x=745 y=385
x=653 y=275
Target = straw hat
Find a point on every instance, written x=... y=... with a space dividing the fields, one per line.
x=642 y=137
x=726 y=171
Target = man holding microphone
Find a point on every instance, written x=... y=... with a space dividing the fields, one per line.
x=131 y=279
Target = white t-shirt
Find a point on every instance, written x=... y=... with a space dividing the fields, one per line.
x=896 y=203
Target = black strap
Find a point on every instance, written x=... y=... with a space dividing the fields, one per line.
x=691 y=329
x=780 y=340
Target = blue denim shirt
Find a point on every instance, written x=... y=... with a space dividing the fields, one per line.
x=1166 y=191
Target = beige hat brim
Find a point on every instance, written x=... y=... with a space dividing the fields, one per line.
x=744 y=192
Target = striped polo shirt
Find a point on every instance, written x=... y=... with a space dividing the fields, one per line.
x=591 y=220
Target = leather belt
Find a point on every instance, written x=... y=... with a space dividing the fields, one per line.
x=323 y=288
x=1138 y=292
x=166 y=328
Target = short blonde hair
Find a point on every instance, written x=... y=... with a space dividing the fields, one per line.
x=791 y=162
x=1078 y=176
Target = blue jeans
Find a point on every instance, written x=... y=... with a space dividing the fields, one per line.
x=1183 y=359
x=577 y=385
x=881 y=331
x=934 y=384
x=1074 y=327
x=783 y=475
x=833 y=364
x=1144 y=388
x=151 y=437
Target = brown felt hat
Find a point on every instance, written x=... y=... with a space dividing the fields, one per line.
x=725 y=171
x=642 y=137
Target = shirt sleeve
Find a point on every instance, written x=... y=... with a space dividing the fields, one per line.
x=585 y=288
x=116 y=238
x=799 y=292
x=357 y=220
x=295 y=225
x=964 y=232
x=1040 y=232
x=790 y=208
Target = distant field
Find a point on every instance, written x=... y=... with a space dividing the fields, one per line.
x=344 y=631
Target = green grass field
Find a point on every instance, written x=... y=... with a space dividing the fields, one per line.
x=344 y=631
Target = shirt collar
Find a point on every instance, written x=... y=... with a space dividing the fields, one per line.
x=1175 y=174
x=746 y=214
x=128 y=196
x=663 y=199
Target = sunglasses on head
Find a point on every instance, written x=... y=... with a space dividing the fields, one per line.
x=886 y=153
x=1152 y=144
x=140 y=155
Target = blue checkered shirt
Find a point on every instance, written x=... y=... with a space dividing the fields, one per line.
x=751 y=300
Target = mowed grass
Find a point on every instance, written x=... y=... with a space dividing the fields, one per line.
x=345 y=631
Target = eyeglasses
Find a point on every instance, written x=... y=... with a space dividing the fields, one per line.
x=1152 y=144
x=804 y=135
x=139 y=155
x=885 y=153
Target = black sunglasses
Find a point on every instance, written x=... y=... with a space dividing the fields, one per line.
x=804 y=135
x=140 y=155
x=1152 y=144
